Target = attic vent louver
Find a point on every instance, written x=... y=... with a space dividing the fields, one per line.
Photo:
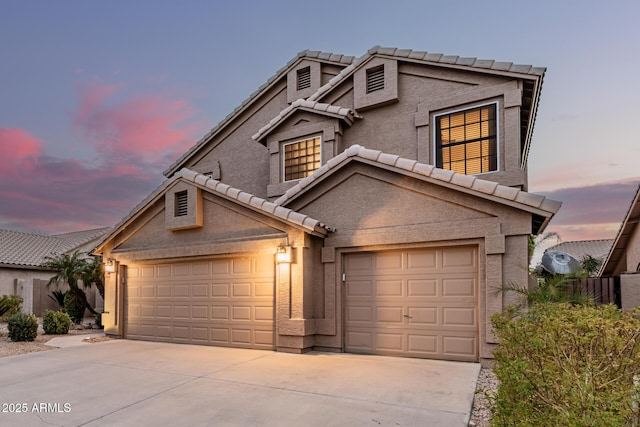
x=304 y=78
x=375 y=79
x=181 y=204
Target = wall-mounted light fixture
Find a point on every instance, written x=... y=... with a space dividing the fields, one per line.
x=110 y=266
x=283 y=254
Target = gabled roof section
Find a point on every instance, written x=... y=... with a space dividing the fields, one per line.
x=541 y=208
x=437 y=59
x=333 y=58
x=315 y=107
x=625 y=232
x=256 y=203
x=25 y=250
x=532 y=77
x=581 y=248
x=296 y=219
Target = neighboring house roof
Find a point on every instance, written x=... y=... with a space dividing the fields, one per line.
x=306 y=54
x=225 y=191
x=541 y=208
x=345 y=114
x=580 y=248
x=625 y=232
x=20 y=250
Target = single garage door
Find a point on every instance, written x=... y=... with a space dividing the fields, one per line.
x=225 y=302
x=415 y=303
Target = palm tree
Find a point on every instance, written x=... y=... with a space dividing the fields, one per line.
x=70 y=269
x=94 y=274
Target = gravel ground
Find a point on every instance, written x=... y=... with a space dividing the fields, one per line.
x=10 y=348
x=487 y=384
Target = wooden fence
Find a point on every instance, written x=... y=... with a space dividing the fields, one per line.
x=604 y=290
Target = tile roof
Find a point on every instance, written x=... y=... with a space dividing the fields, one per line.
x=345 y=114
x=626 y=230
x=579 y=248
x=255 y=202
x=29 y=249
x=217 y=187
x=305 y=54
x=434 y=59
x=534 y=203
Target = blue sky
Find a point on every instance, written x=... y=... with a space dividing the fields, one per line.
x=87 y=88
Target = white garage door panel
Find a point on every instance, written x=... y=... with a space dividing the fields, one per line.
x=227 y=302
x=418 y=303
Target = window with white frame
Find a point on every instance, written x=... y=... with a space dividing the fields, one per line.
x=300 y=158
x=467 y=140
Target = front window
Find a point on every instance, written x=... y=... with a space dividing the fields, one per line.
x=301 y=158
x=466 y=141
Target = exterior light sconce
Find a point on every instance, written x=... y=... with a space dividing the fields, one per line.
x=110 y=266
x=283 y=254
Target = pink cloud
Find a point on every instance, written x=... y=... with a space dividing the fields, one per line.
x=591 y=212
x=134 y=137
x=18 y=149
x=149 y=126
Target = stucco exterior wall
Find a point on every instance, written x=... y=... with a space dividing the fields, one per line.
x=633 y=251
x=15 y=281
x=244 y=163
x=405 y=127
x=630 y=290
x=31 y=286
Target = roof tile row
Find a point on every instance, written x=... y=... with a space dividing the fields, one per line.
x=320 y=107
x=255 y=202
x=464 y=181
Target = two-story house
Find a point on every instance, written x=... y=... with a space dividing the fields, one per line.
x=369 y=205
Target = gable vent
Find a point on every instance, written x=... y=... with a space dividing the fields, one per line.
x=304 y=78
x=181 y=204
x=375 y=79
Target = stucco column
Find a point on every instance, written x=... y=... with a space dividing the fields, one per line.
x=630 y=290
x=494 y=251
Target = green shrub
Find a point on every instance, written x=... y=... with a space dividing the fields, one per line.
x=74 y=306
x=11 y=304
x=567 y=365
x=23 y=327
x=58 y=297
x=56 y=322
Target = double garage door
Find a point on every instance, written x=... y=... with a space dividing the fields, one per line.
x=223 y=302
x=417 y=303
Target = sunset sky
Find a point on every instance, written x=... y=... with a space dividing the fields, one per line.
x=98 y=98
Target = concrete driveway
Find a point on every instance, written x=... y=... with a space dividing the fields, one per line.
x=134 y=383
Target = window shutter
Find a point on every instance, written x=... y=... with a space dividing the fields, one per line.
x=304 y=78
x=181 y=204
x=375 y=79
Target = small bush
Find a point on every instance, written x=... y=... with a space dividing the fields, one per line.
x=566 y=365
x=58 y=297
x=11 y=304
x=99 y=321
x=23 y=327
x=56 y=323
x=74 y=306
